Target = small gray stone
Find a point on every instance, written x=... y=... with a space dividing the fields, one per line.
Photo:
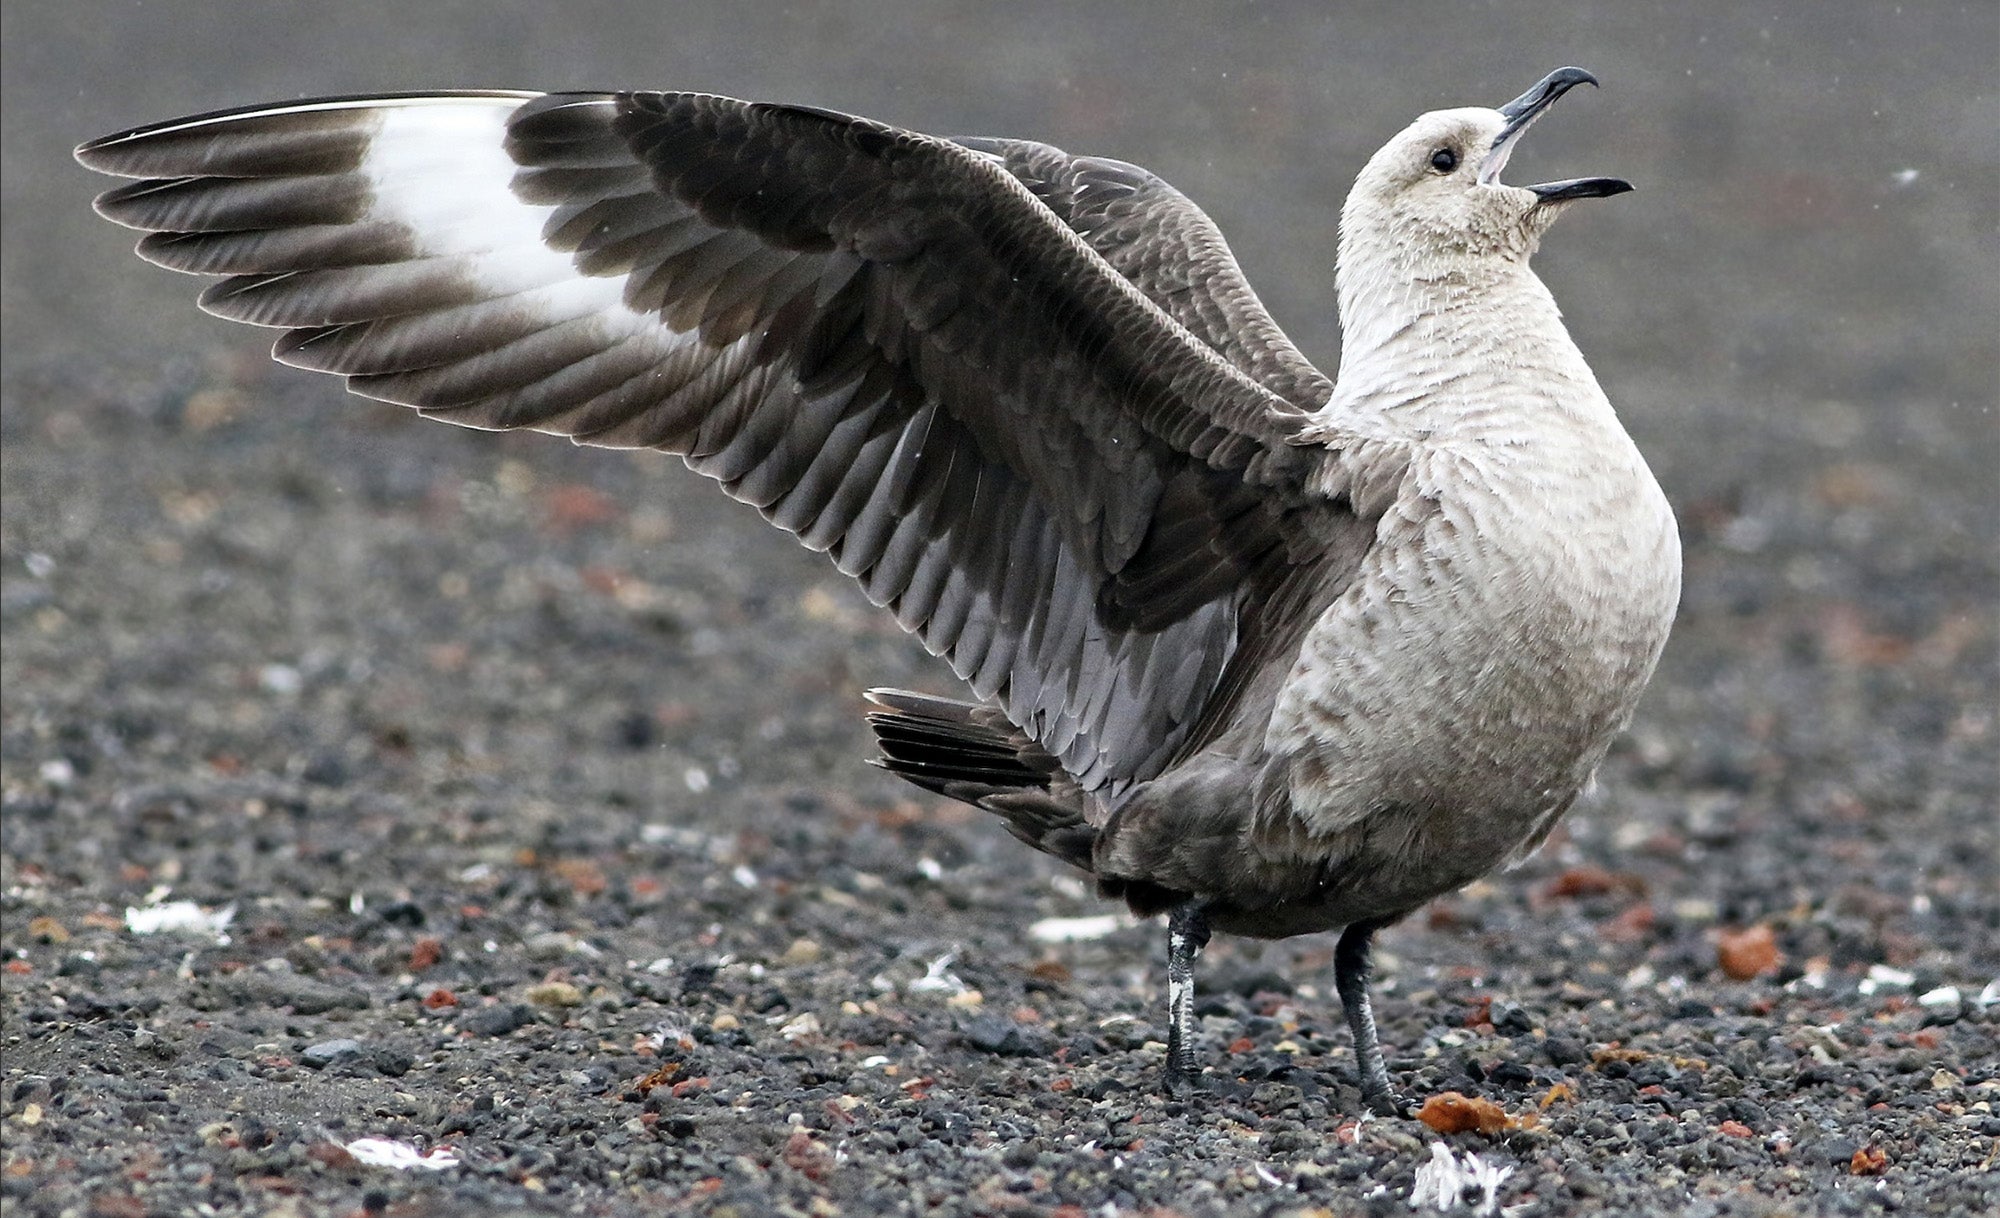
x=1002 y=1036
x=497 y=1020
x=391 y=1061
x=1835 y=1149
x=329 y=1052
x=303 y=995
x=1565 y=1050
x=78 y=964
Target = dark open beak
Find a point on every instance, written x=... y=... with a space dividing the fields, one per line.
x=1523 y=111
x=1580 y=188
x=1528 y=107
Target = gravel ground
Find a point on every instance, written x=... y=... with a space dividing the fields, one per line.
x=532 y=777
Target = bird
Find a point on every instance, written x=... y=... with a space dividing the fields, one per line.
x=1266 y=651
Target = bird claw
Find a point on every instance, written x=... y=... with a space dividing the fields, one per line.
x=1387 y=1102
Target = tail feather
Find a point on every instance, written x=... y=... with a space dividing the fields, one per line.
x=934 y=742
x=972 y=753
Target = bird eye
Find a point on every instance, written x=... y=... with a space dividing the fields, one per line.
x=1444 y=160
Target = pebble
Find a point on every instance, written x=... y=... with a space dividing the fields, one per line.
x=402 y=913
x=498 y=1020
x=304 y=995
x=330 y=1052
x=390 y=1061
x=802 y=951
x=554 y=994
x=1005 y=1037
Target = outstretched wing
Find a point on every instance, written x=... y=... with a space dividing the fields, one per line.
x=884 y=341
x=1156 y=237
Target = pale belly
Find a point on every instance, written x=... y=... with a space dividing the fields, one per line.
x=1447 y=711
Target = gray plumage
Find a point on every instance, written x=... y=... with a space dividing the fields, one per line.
x=1277 y=652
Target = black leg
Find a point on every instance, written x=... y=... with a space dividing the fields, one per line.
x=1350 y=977
x=1187 y=934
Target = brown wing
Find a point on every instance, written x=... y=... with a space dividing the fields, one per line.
x=882 y=340
x=1156 y=237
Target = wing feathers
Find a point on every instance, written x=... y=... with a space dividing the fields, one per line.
x=1019 y=396
x=365 y=242
x=231 y=205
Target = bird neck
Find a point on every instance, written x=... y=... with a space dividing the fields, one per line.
x=1480 y=331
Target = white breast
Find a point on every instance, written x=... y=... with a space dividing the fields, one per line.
x=1521 y=589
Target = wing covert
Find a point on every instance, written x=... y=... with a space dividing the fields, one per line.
x=1169 y=249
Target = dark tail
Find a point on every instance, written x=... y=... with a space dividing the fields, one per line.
x=973 y=753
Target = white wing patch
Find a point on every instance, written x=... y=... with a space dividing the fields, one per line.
x=438 y=169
